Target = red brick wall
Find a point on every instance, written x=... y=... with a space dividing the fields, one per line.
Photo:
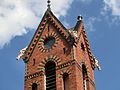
x=70 y=62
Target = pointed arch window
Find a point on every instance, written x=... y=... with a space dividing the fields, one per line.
x=84 y=73
x=50 y=70
x=34 y=86
x=65 y=81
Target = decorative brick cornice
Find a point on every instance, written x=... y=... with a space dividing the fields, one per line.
x=91 y=57
x=34 y=40
x=37 y=74
x=66 y=64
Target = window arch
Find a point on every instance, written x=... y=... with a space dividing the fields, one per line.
x=34 y=86
x=65 y=81
x=84 y=74
x=50 y=71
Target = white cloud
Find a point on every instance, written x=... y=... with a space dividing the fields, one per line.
x=89 y=24
x=111 y=11
x=113 y=6
x=85 y=1
x=18 y=15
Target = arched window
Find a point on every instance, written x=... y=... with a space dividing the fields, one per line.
x=50 y=70
x=65 y=81
x=34 y=86
x=84 y=73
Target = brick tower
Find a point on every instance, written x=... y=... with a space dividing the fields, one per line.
x=58 y=58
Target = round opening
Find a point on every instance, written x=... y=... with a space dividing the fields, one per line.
x=49 y=42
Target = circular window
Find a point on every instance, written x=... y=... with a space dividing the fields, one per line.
x=49 y=42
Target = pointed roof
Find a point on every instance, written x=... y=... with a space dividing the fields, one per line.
x=70 y=38
x=75 y=30
x=48 y=17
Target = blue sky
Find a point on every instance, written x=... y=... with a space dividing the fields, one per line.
x=20 y=18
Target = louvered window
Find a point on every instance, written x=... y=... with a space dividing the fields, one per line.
x=50 y=69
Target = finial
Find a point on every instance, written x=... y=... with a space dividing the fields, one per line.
x=48 y=4
x=79 y=18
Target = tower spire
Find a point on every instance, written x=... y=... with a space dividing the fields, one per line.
x=48 y=4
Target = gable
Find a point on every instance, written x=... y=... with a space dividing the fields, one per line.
x=48 y=19
x=79 y=33
x=82 y=34
x=52 y=35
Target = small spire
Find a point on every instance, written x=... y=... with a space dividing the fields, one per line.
x=79 y=18
x=48 y=4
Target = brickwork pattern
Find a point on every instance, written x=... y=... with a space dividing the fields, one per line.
x=69 y=61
